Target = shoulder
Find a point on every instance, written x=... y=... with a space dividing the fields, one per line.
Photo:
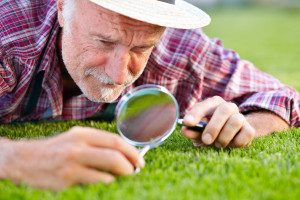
x=185 y=41
x=180 y=53
x=25 y=26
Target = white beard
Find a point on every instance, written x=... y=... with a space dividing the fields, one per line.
x=109 y=94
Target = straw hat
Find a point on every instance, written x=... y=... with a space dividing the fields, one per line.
x=168 y=13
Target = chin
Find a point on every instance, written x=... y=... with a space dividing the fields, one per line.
x=104 y=95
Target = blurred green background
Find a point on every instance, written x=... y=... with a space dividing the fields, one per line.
x=231 y=3
x=264 y=32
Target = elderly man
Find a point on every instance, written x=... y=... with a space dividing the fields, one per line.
x=66 y=59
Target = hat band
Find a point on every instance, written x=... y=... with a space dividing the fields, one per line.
x=168 y=1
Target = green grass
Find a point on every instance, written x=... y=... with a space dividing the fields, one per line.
x=268 y=169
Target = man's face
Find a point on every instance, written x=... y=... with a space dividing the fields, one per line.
x=105 y=51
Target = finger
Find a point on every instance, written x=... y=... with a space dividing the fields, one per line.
x=194 y=136
x=190 y=134
x=231 y=128
x=106 y=160
x=100 y=138
x=245 y=136
x=217 y=121
x=86 y=175
x=202 y=109
x=72 y=175
x=249 y=143
x=198 y=143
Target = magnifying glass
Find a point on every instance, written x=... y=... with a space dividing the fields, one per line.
x=147 y=115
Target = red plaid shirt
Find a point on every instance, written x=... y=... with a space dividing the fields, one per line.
x=186 y=62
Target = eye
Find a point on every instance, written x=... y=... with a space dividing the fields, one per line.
x=142 y=49
x=106 y=42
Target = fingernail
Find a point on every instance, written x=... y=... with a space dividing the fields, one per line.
x=201 y=144
x=218 y=145
x=207 y=139
x=141 y=162
x=109 y=179
x=189 y=118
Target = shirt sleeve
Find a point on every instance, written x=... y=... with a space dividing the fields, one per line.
x=239 y=81
x=7 y=79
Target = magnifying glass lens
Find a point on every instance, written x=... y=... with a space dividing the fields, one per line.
x=146 y=116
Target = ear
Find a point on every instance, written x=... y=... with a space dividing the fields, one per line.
x=60 y=17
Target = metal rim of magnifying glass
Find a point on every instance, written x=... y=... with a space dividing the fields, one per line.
x=156 y=142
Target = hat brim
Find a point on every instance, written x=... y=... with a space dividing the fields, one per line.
x=180 y=15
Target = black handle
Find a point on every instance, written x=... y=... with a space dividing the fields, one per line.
x=199 y=127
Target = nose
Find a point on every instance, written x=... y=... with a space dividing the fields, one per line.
x=117 y=69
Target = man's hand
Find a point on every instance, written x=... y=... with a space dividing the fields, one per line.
x=226 y=126
x=80 y=155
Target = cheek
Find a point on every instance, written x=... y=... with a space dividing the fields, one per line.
x=71 y=51
x=78 y=55
x=138 y=63
x=68 y=55
x=94 y=58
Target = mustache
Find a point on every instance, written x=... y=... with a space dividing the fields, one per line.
x=104 y=78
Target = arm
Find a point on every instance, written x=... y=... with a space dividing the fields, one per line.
x=250 y=103
x=265 y=122
x=80 y=155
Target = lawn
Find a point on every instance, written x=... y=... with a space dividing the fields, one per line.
x=268 y=169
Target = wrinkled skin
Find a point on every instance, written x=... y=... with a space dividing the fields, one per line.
x=105 y=44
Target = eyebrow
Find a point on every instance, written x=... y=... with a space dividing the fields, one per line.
x=150 y=45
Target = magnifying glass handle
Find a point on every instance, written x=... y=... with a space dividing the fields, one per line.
x=142 y=151
x=199 y=127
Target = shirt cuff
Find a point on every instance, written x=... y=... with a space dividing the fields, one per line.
x=282 y=102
